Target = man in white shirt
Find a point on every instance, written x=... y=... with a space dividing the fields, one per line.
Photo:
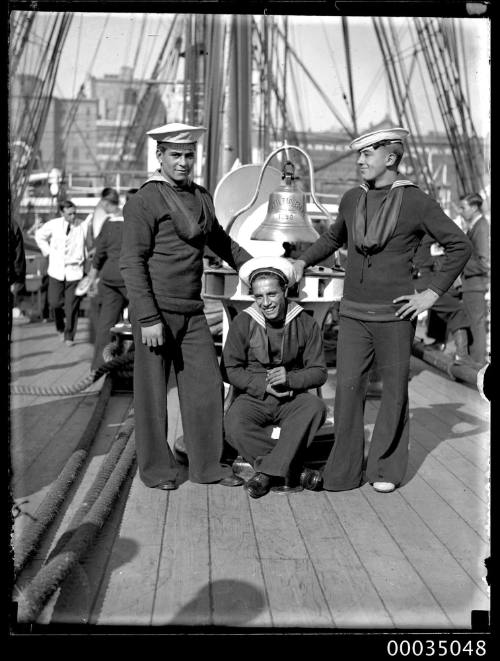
x=64 y=241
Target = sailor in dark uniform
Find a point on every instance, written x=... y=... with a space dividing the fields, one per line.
x=383 y=221
x=167 y=224
x=272 y=356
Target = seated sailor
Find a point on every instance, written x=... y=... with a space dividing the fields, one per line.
x=272 y=356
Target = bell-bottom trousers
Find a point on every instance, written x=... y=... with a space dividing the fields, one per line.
x=189 y=348
x=359 y=343
x=247 y=429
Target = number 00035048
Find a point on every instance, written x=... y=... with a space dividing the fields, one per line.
x=451 y=647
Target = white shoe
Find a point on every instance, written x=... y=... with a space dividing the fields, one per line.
x=69 y=343
x=384 y=487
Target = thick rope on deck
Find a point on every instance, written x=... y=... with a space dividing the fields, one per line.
x=48 y=579
x=49 y=507
x=100 y=480
x=456 y=371
x=105 y=368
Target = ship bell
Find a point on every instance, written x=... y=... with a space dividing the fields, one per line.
x=286 y=218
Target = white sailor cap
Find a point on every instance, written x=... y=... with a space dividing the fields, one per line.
x=279 y=266
x=181 y=135
x=383 y=136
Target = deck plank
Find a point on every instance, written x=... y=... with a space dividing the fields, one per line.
x=474 y=447
x=467 y=547
x=458 y=495
x=451 y=460
x=454 y=591
x=127 y=590
x=296 y=596
x=451 y=410
x=182 y=592
x=42 y=360
x=51 y=434
x=238 y=590
x=441 y=384
x=349 y=591
x=404 y=594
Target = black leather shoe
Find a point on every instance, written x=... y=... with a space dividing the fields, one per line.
x=231 y=481
x=311 y=479
x=168 y=485
x=436 y=346
x=258 y=485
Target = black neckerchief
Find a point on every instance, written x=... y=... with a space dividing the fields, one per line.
x=372 y=239
x=186 y=226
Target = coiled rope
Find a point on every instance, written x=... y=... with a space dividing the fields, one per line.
x=105 y=368
x=47 y=580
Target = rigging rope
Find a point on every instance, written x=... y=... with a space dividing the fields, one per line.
x=35 y=125
x=70 y=118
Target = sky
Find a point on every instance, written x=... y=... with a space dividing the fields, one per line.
x=101 y=43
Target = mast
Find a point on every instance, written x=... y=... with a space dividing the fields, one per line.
x=345 y=30
x=28 y=124
x=237 y=132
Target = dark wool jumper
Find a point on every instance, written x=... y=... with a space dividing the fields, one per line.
x=252 y=347
x=161 y=270
x=163 y=276
x=107 y=252
x=111 y=286
x=383 y=276
x=369 y=330
x=246 y=355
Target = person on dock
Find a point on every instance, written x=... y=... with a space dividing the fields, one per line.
x=17 y=265
x=105 y=277
x=383 y=220
x=65 y=241
x=96 y=219
x=272 y=356
x=449 y=313
x=168 y=223
x=476 y=274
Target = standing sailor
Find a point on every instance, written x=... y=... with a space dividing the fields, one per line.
x=383 y=221
x=168 y=223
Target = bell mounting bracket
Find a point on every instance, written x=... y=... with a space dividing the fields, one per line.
x=286 y=174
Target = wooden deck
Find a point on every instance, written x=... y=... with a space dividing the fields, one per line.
x=208 y=555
